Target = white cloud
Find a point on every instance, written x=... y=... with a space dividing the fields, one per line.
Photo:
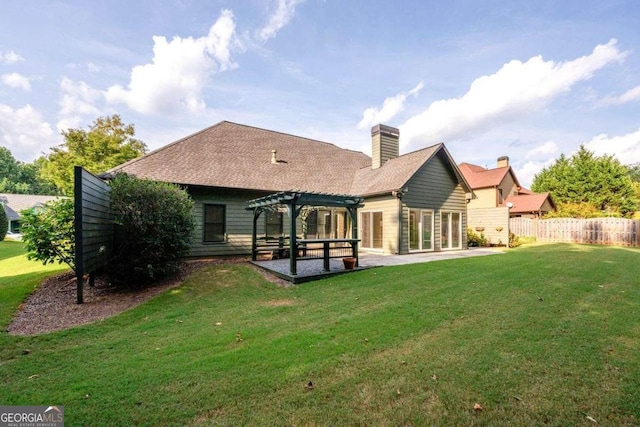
x=390 y=108
x=515 y=90
x=16 y=80
x=78 y=101
x=179 y=71
x=625 y=148
x=628 y=96
x=89 y=66
x=24 y=132
x=284 y=11
x=547 y=149
x=10 y=57
x=529 y=170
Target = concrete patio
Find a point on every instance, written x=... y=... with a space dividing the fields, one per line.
x=313 y=269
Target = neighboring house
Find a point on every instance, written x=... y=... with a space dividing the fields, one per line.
x=413 y=202
x=13 y=204
x=498 y=197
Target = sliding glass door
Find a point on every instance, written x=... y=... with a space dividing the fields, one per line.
x=420 y=230
x=372 y=231
x=451 y=230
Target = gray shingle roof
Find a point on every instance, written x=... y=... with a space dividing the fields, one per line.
x=231 y=155
x=19 y=202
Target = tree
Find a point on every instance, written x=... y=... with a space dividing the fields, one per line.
x=49 y=233
x=108 y=143
x=155 y=222
x=590 y=183
x=4 y=222
x=22 y=178
x=634 y=172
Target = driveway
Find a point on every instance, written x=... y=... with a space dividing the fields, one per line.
x=372 y=259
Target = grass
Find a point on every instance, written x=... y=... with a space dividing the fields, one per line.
x=547 y=334
x=18 y=278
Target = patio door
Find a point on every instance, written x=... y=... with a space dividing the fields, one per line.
x=451 y=230
x=371 y=230
x=420 y=230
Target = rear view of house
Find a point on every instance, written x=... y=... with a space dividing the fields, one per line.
x=412 y=202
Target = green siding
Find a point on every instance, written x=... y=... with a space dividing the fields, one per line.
x=434 y=187
x=239 y=222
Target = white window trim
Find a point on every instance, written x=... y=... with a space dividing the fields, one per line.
x=361 y=230
x=433 y=218
x=449 y=231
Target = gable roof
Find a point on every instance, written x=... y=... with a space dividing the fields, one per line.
x=231 y=155
x=18 y=202
x=396 y=172
x=479 y=177
x=525 y=203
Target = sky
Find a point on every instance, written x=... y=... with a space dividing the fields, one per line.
x=526 y=79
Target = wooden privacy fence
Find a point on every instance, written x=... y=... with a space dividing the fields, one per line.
x=597 y=231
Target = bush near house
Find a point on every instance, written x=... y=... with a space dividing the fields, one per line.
x=4 y=223
x=154 y=225
x=475 y=240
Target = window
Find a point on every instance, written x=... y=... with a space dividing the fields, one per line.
x=500 y=196
x=274 y=224
x=312 y=224
x=451 y=230
x=372 y=232
x=214 y=223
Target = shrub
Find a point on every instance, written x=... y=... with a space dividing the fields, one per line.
x=48 y=233
x=4 y=223
x=514 y=241
x=474 y=240
x=154 y=222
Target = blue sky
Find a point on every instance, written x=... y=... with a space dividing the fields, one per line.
x=527 y=79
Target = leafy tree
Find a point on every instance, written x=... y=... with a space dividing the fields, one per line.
x=592 y=183
x=108 y=143
x=22 y=178
x=155 y=222
x=8 y=164
x=49 y=234
x=634 y=172
x=4 y=223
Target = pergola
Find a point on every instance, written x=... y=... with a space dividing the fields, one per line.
x=294 y=202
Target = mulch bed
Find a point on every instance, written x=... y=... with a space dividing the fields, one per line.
x=52 y=306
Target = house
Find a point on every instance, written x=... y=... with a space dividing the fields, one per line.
x=413 y=202
x=13 y=204
x=498 y=197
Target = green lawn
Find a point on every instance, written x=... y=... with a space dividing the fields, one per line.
x=546 y=334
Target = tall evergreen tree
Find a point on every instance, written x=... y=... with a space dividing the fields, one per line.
x=598 y=182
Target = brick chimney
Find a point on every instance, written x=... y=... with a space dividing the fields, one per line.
x=385 y=144
x=503 y=161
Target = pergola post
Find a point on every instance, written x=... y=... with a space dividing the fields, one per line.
x=353 y=213
x=293 y=252
x=254 y=235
